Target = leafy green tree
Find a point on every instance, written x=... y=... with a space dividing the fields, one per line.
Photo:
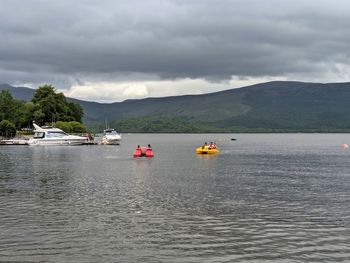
x=51 y=106
x=7 y=129
x=7 y=105
x=71 y=127
x=76 y=111
x=26 y=111
x=77 y=127
x=11 y=109
x=46 y=106
x=19 y=114
x=45 y=103
x=65 y=126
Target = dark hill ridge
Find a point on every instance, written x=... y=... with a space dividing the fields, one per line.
x=272 y=106
x=20 y=93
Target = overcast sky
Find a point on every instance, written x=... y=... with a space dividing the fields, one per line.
x=112 y=50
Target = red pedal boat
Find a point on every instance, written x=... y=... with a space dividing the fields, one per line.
x=143 y=152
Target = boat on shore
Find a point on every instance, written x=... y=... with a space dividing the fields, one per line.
x=54 y=136
x=110 y=137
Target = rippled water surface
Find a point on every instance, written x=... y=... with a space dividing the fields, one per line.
x=282 y=198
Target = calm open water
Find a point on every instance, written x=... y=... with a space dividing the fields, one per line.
x=264 y=198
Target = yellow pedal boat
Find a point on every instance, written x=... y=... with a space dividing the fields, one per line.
x=207 y=150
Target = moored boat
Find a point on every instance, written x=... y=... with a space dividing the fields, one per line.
x=110 y=136
x=54 y=136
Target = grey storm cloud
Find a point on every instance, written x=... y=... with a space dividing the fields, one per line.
x=66 y=41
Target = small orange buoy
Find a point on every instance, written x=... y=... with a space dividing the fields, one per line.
x=344 y=146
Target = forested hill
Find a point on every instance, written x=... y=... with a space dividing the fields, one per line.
x=19 y=93
x=278 y=106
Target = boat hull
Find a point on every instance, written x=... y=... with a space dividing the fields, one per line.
x=14 y=142
x=58 y=142
x=207 y=150
x=109 y=141
x=143 y=152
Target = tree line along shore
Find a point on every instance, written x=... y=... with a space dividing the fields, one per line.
x=47 y=106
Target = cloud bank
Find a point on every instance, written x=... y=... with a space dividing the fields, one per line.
x=77 y=45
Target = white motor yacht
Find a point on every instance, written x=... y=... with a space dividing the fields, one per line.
x=110 y=136
x=54 y=136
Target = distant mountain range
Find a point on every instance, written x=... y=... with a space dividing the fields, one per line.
x=279 y=106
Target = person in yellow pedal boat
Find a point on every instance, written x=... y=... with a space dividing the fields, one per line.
x=212 y=145
x=207 y=149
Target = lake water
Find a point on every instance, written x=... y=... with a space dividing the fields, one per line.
x=264 y=198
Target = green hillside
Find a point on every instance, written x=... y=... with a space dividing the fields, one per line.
x=278 y=106
x=295 y=107
x=19 y=93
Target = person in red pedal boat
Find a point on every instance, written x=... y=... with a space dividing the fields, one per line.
x=143 y=151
